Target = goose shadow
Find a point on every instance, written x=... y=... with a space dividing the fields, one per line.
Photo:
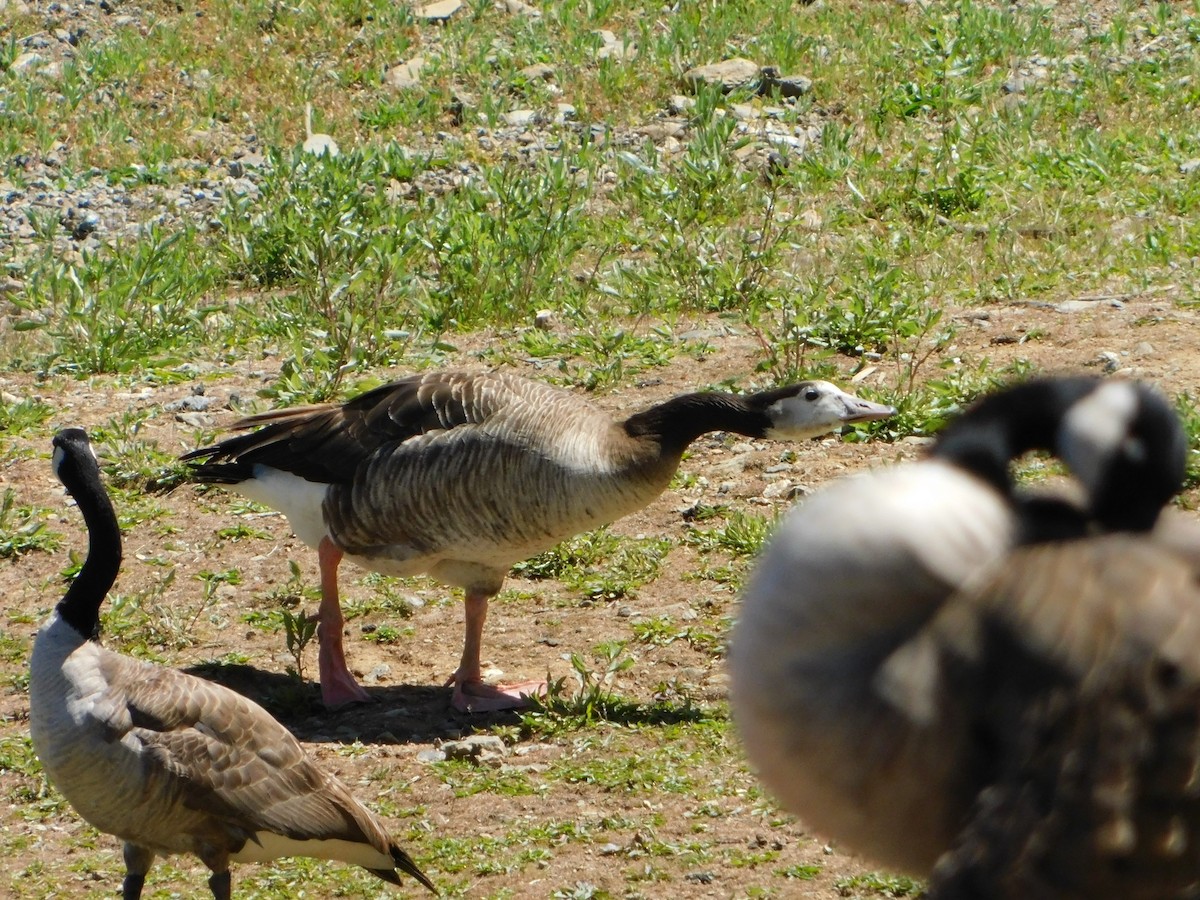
x=398 y=713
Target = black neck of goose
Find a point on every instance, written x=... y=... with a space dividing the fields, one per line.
x=80 y=606
x=990 y=435
x=679 y=421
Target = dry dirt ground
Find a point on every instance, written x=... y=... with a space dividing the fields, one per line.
x=532 y=628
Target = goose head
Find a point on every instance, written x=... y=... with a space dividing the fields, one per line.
x=813 y=408
x=1125 y=444
x=74 y=460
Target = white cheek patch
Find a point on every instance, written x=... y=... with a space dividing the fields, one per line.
x=1096 y=429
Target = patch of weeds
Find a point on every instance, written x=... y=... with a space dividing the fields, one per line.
x=925 y=409
x=608 y=357
x=24 y=415
x=1189 y=415
x=328 y=230
x=879 y=884
x=130 y=460
x=743 y=534
x=240 y=532
x=799 y=873
x=661 y=632
x=467 y=779
x=600 y=564
x=595 y=700
x=143 y=307
x=385 y=634
x=582 y=890
x=23 y=528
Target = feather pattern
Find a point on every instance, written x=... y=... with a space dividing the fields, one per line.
x=463 y=474
x=171 y=763
x=1083 y=662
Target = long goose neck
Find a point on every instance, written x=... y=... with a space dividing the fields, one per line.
x=989 y=436
x=675 y=423
x=80 y=606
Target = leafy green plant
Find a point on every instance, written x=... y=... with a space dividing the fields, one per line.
x=142 y=307
x=23 y=528
x=299 y=630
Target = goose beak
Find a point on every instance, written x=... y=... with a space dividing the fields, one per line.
x=858 y=410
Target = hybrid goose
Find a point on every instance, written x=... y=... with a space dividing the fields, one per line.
x=916 y=688
x=168 y=762
x=462 y=474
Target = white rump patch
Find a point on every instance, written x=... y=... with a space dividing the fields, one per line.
x=297 y=498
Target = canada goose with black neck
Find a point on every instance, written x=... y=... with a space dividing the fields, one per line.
x=897 y=650
x=168 y=762
x=463 y=474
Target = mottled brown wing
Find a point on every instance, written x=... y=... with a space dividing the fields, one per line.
x=1086 y=660
x=227 y=756
x=327 y=444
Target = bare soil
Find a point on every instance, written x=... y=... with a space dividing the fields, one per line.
x=532 y=629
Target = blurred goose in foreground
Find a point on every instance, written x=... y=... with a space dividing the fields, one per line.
x=168 y=762
x=911 y=685
x=463 y=474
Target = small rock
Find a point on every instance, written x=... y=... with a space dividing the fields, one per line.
x=1109 y=361
x=679 y=105
x=700 y=877
x=1190 y=166
x=431 y=755
x=438 y=12
x=538 y=72
x=788 y=85
x=544 y=319
x=1142 y=350
x=517 y=8
x=192 y=403
x=613 y=47
x=779 y=490
x=85 y=226
x=1074 y=306
x=196 y=419
x=564 y=112
x=406 y=75
x=519 y=118
x=24 y=62
x=476 y=748
x=610 y=849
x=729 y=75
x=381 y=671
x=625 y=612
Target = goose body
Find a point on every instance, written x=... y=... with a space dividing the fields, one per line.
x=462 y=474
x=170 y=763
x=1084 y=660
x=881 y=666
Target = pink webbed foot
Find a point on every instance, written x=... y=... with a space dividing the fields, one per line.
x=340 y=689
x=478 y=696
x=338 y=686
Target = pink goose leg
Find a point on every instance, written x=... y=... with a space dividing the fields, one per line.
x=338 y=687
x=471 y=694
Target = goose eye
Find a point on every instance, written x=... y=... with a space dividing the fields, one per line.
x=812 y=394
